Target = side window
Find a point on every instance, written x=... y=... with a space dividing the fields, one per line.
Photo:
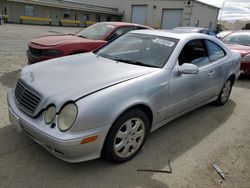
x=194 y=52
x=214 y=51
x=120 y=32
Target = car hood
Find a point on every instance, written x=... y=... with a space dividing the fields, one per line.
x=60 y=39
x=72 y=77
x=239 y=48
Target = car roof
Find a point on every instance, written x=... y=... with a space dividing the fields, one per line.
x=241 y=31
x=190 y=29
x=126 y=24
x=169 y=33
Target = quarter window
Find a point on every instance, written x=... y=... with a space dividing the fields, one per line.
x=214 y=51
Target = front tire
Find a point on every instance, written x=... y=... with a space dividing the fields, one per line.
x=126 y=137
x=225 y=93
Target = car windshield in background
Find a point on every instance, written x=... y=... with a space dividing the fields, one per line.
x=222 y=34
x=139 y=49
x=96 y=31
x=238 y=38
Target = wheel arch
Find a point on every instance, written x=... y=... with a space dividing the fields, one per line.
x=141 y=106
x=232 y=77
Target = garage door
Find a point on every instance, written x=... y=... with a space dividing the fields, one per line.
x=171 y=18
x=139 y=14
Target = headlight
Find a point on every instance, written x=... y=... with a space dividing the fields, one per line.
x=246 y=58
x=51 y=53
x=49 y=114
x=67 y=116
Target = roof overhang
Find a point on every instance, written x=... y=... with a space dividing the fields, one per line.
x=72 y=5
x=213 y=6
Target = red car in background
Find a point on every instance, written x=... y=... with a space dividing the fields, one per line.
x=86 y=40
x=239 y=41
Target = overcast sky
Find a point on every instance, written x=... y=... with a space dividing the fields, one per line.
x=232 y=9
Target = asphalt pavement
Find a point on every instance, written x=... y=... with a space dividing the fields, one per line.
x=193 y=143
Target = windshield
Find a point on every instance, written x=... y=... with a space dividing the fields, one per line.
x=96 y=31
x=222 y=34
x=139 y=49
x=238 y=38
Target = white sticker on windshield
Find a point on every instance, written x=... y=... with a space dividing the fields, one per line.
x=163 y=42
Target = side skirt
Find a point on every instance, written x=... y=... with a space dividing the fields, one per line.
x=164 y=122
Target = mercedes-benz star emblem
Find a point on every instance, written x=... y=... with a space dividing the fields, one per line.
x=32 y=77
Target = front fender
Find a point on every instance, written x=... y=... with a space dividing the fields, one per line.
x=104 y=107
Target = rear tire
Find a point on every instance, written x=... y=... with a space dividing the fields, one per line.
x=225 y=93
x=1 y=22
x=126 y=137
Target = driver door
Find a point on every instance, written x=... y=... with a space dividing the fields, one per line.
x=189 y=90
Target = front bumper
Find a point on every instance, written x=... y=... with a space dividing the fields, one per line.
x=245 y=68
x=64 y=145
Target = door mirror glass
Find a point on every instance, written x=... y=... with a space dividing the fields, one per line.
x=188 y=68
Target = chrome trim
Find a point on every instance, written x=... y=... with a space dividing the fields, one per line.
x=26 y=98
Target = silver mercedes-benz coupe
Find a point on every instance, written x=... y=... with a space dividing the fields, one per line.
x=105 y=103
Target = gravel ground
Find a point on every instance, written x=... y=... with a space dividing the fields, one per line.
x=193 y=143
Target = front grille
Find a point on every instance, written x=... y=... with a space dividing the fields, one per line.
x=26 y=98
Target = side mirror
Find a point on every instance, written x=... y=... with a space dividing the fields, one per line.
x=188 y=68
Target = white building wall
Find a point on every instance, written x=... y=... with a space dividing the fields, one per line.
x=206 y=15
x=105 y=3
x=199 y=11
x=192 y=10
x=154 y=9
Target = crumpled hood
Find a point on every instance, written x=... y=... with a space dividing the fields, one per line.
x=60 y=39
x=239 y=48
x=71 y=77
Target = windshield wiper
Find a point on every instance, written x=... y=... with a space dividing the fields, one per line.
x=129 y=61
x=104 y=55
x=81 y=36
x=133 y=62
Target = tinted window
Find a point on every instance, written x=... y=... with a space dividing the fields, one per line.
x=214 y=51
x=194 y=52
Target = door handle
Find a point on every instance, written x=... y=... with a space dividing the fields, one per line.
x=211 y=73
